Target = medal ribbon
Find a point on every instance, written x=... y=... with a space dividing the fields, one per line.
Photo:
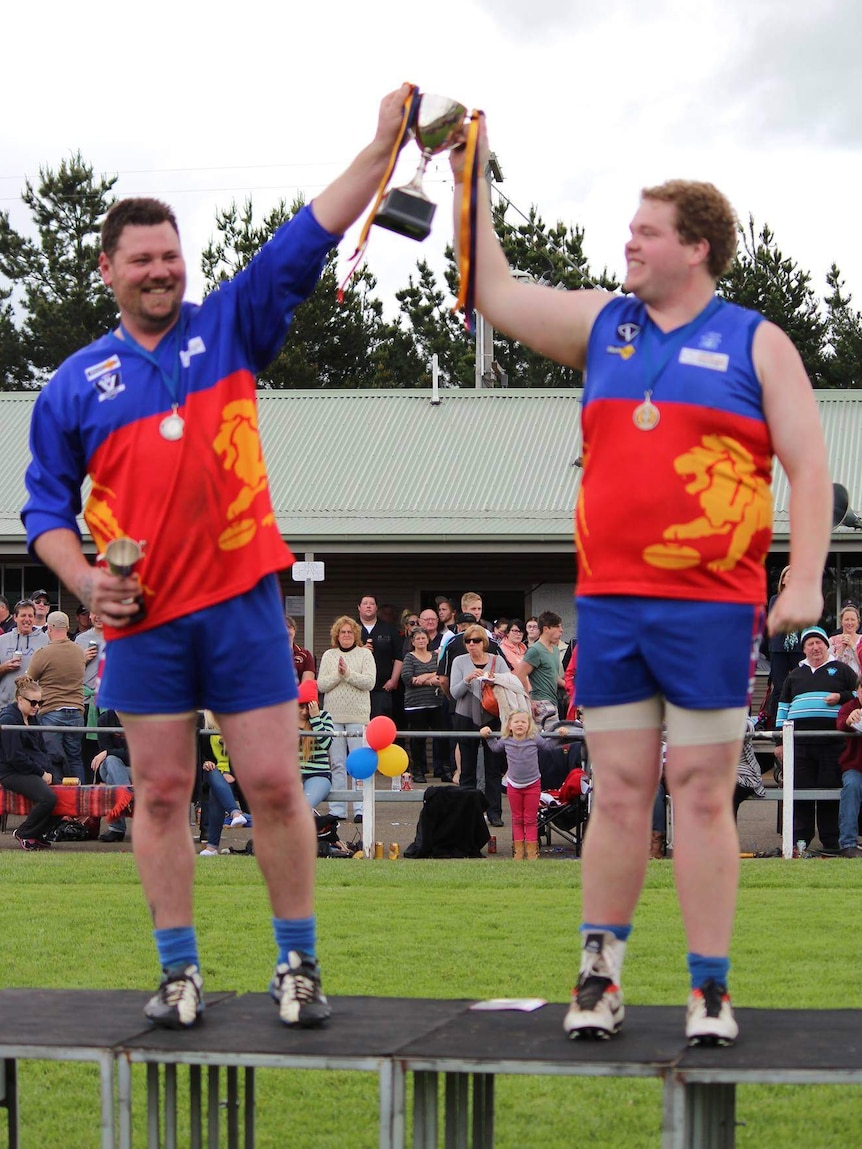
x=171 y=379
x=408 y=116
x=673 y=345
x=467 y=229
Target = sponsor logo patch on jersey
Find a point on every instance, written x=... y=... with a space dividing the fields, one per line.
x=103 y=368
x=711 y=340
x=711 y=360
x=196 y=347
x=624 y=352
x=628 y=332
x=109 y=386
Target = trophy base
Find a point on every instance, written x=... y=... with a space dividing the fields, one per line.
x=406 y=213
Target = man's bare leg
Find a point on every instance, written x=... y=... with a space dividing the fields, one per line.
x=626 y=771
x=263 y=749
x=626 y=768
x=263 y=746
x=706 y=845
x=706 y=870
x=162 y=753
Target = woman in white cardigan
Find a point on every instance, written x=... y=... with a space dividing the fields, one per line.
x=346 y=676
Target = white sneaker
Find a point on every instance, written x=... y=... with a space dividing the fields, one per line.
x=597 y=1001
x=238 y=820
x=208 y=852
x=709 y=1017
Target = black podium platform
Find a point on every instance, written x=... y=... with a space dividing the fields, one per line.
x=397 y=1037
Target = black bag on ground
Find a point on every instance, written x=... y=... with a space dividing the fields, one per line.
x=451 y=824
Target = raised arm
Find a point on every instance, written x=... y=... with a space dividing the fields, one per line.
x=554 y=323
x=794 y=424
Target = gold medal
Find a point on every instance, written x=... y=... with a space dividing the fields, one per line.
x=173 y=426
x=646 y=415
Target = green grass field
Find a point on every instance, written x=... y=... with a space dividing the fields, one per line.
x=440 y=929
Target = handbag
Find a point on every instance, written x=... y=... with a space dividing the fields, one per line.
x=489 y=699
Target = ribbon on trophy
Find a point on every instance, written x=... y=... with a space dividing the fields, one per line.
x=466 y=300
x=408 y=118
x=438 y=124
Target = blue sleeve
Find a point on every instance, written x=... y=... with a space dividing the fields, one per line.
x=281 y=276
x=57 y=465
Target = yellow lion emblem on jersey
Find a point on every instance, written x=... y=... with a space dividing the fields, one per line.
x=734 y=500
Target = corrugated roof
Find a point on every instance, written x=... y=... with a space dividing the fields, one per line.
x=478 y=469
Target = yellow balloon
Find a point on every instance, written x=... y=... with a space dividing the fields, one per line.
x=392 y=761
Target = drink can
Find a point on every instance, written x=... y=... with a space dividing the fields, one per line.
x=378 y=849
x=71 y=781
x=394 y=851
x=492 y=844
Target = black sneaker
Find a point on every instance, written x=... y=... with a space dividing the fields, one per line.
x=113 y=836
x=25 y=843
x=179 y=1000
x=296 y=987
x=43 y=843
x=709 y=1017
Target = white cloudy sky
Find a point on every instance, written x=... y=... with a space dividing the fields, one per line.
x=586 y=103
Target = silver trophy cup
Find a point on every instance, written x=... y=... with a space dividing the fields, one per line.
x=436 y=128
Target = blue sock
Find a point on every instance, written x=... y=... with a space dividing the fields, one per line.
x=621 y=933
x=177 y=946
x=294 y=934
x=702 y=969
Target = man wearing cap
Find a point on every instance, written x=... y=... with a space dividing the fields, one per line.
x=18 y=647
x=810 y=698
x=82 y=622
x=42 y=602
x=59 y=669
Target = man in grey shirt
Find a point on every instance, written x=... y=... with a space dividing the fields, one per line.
x=18 y=646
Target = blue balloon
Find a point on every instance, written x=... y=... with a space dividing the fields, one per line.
x=362 y=762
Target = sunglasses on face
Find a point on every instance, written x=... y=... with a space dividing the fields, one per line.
x=470 y=641
x=32 y=701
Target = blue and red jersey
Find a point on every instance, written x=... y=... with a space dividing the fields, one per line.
x=684 y=509
x=200 y=503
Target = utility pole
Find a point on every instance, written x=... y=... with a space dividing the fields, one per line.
x=484 y=331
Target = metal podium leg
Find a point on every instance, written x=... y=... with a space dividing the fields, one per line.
x=457 y=1110
x=196 y=1130
x=232 y=1107
x=124 y=1094
x=424 y=1110
x=9 y=1099
x=212 y=1107
x=106 y=1079
x=152 y=1105
x=249 y=1108
x=392 y=1106
x=170 y=1107
x=483 y=1111
x=697 y=1116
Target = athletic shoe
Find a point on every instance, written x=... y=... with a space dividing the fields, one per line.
x=208 y=852
x=42 y=843
x=597 y=1001
x=851 y=852
x=709 y=1018
x=179 y=999
x=25 y=843
x=296 y=987
x=238 y=820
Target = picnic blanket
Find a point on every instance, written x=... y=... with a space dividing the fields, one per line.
x=111 y=802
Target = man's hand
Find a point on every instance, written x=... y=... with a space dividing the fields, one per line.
x=110 y=596
x=797 y=606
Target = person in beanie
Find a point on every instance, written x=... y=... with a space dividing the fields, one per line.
x=810 y=698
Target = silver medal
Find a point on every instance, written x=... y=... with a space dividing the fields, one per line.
x=172 y=427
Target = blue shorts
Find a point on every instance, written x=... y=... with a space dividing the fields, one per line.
x=697 y=655
x=229 y=658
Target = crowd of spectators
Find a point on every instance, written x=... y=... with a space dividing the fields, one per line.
x=425 y=669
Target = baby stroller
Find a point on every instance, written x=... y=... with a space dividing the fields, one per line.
x=566 y=811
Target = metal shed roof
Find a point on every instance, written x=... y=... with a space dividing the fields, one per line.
x=393 y=470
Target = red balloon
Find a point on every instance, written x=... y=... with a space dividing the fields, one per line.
x=380 y=732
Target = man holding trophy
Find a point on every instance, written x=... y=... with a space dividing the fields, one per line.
x=161 y=415
x=685 y=399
